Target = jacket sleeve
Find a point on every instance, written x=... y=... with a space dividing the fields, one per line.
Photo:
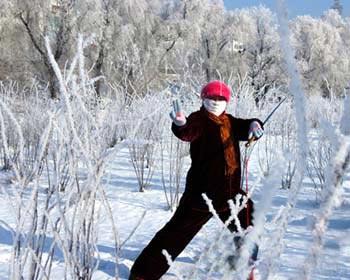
x=240 y=127
x=190 y=131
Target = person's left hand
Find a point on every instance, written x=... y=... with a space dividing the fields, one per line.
x=255 y=131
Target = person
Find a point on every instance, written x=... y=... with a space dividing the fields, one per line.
x=215 y=171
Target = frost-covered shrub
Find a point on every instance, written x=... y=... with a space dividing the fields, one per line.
x=148 y=122
x=63 y=148
x=320 y=150
x=320 y=109
x=173 y=152
x=25 y=115
x=332 y=192
x=114 y=108
x=243 y=103
x=324 y=114
x=285 y=127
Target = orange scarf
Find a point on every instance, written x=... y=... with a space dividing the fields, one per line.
x=225 y=133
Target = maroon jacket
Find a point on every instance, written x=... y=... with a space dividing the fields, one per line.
x=207 y=171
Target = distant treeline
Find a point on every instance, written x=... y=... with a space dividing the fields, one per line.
x=142 y=46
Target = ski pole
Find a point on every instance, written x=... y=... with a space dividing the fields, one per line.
x=251 y=140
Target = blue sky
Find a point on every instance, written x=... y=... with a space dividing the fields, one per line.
x=314 y=8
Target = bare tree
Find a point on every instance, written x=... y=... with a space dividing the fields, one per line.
x=54 y=20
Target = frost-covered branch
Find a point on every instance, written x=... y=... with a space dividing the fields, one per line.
x=332 y=193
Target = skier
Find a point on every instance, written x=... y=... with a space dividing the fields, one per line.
x=215 y=171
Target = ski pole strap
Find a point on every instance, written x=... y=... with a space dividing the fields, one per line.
x=250 y=141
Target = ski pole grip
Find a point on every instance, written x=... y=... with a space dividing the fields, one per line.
x=250 y=141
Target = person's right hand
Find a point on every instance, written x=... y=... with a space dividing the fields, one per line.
x=177 y=115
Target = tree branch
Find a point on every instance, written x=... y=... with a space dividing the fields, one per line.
x=31 y=35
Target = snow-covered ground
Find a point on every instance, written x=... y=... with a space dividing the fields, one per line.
x=129 y=206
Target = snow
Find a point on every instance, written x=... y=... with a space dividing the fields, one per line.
x=129 y=205
x=100 y=224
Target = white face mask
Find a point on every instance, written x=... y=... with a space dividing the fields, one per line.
x=216 y=107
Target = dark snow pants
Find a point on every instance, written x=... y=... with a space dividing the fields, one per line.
x=174 y=237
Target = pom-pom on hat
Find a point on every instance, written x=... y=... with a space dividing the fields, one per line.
x=216 y=89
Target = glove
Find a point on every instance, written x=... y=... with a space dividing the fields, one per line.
x=255 y=130
x=176 y=115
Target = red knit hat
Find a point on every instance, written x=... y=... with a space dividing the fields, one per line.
x=216 y=89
